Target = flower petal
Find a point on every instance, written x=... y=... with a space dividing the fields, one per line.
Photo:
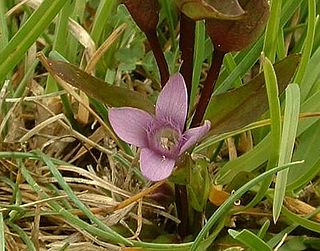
x=155 y=167
x=130 y=124
x=172 y=102
x=191 y=136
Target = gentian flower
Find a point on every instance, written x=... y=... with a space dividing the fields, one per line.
x=161 y=137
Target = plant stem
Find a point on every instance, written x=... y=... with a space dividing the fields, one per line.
x=208 y=87
x=182 y=209
x=158 y=54
x=187 y=34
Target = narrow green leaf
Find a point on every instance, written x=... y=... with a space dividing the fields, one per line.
x=101 y=17
x=27 y=35
x=199 y=44
x=55 y=172
x=272 y=30
x=60 y=39
x=304 y=222
x=4 y=36
x=2 y=239
x=23 y=235
x=290 y=125
x=275 y=112
x=249 y=239
x=308 y=44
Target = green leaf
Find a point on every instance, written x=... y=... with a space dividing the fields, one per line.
x=234 y=109
x=27 y=35
x=111 y=95
x=200 y=9
x=225 y=207
x=290 y=125
x=249 y=239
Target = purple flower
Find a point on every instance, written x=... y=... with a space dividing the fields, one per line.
x=161 y=137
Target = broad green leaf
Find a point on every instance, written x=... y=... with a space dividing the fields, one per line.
x=249 y=239
x=239 y=107
x=200 y=9
x=111 y=95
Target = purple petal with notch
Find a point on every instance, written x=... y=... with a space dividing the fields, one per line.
x=192 y=136
x=154 y=166
x=130 y=124
x=172 y=102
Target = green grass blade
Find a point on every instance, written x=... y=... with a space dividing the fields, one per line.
x=224 y=208
x=304 y=222
x=290 y=125
x=169 y=10
x=246 y=59
x=272 y=30
x=308 y=46
x=249 y=239
x=55 y=172
x=102 y=16
x=264 y=229
x=69 y=217
x=2 y=239
x=230 y=65
x=275 y=111
x=27 y=35
x=4 y=36
x=200 y=35
x=60 y=40
x=23 y=235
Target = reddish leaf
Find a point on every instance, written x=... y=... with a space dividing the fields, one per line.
x=235 y=35
x=111 y=95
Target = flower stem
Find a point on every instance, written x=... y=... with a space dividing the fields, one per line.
x=182 y=209
x=159 y=56
x=187 y=34
x=208 y=87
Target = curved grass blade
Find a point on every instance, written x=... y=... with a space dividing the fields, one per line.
x=308 y=44
x=2 y=239
x=27 y=35
x=55 y=172
x=290 y=125
x=250 y=239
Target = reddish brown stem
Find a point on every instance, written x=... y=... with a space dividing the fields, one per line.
x=187 y=34
x=182 y=209
x=158 y=54
x=208 y=87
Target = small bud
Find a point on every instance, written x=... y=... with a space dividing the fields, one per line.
x=236 y=35
x=145 y=13
x=200 y=9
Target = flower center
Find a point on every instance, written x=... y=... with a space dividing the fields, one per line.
x=168 y=139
